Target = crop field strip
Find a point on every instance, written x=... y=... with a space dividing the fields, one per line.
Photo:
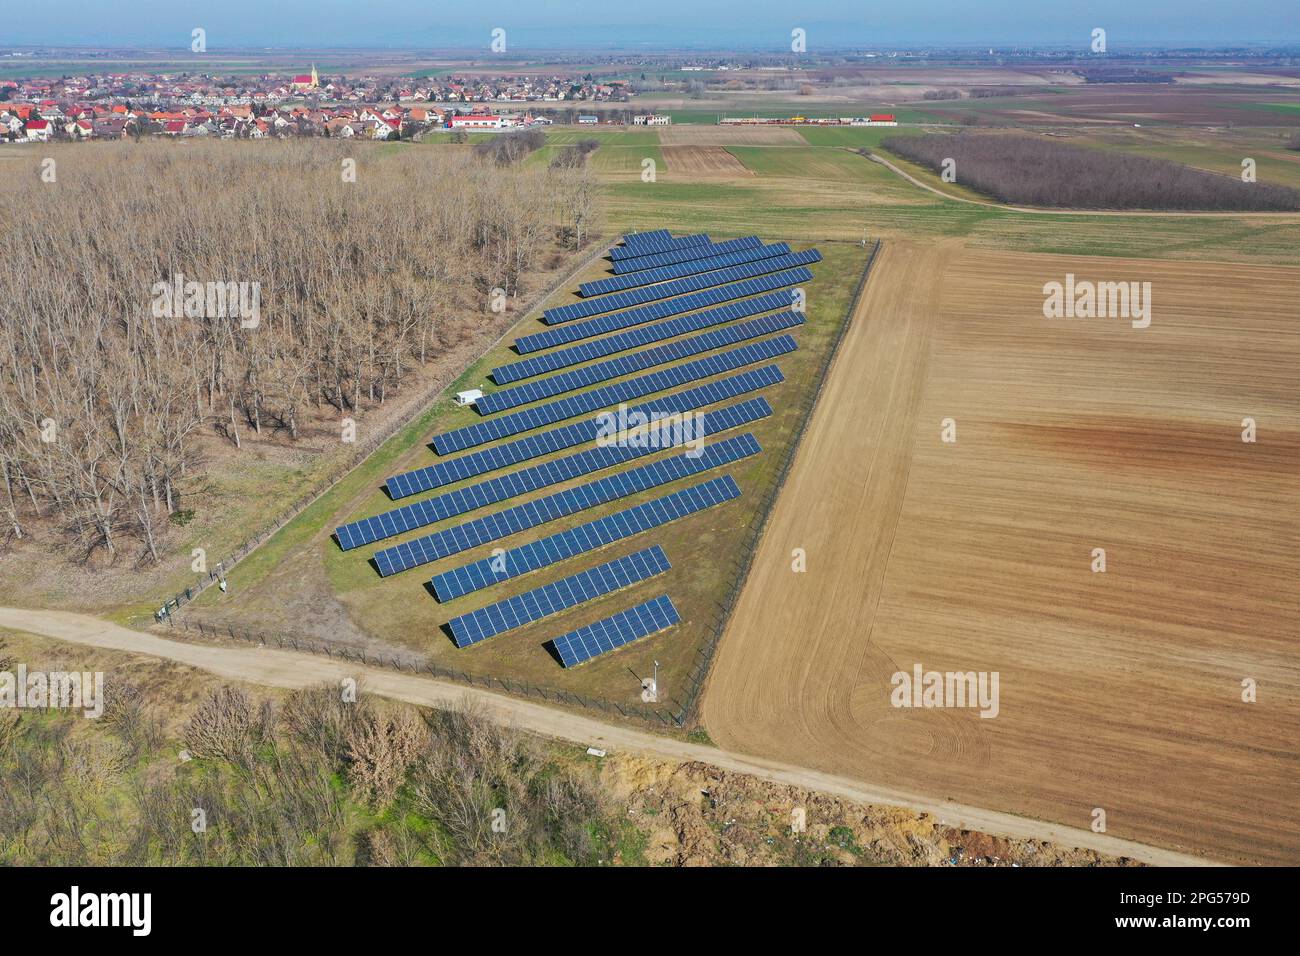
x=666 y=290
x=568 y=436
x=647 y=248
x=632 y=338
x=583 y=538
x=503 y=524
x=564 y=334
x=503 y=487
x=613 y=368
x=615 y=631
x=558 y=596
x=628 y=266
x=682 y=269
x=529 y=418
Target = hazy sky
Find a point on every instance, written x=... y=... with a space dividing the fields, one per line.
x=713 y=24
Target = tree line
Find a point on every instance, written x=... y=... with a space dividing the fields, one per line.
x=1041 y=172
x=154 y=292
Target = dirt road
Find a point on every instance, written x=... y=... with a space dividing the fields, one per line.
x=293 y=670
x=1274 y=216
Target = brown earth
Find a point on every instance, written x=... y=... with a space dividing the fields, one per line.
x=700 y=135
x=1120 y=691
x=696 y=814
x=695 y=163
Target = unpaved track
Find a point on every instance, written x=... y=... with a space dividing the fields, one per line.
x=294 y=670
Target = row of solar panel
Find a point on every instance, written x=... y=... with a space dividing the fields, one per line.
x=529 y=418
x=585 y=537
x=645 y=335
x=635 y=240
x=615 y=631
x=682 y=269
x=625 y=266
x=567 y=436
x=557 y=596
x=503 y=487
x=621 y=365
x=502 y=524
x=565 y=334
x=668 y=290
x=659 y=244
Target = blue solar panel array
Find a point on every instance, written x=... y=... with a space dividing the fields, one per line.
x=659 y=244
x=615 y=631
x=646 y=334
x=503 y=487
x=557 y=439
x=637 y=240
x=636 y=362
x=667 y=290
x=624 y=266
x=562 y=335
x=585 y=537
x=529 y=418
x=682 y=269
x=502 y=524
x=558 y=596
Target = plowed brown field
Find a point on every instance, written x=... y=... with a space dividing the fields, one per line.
x=693 y=163
x=1119 y=690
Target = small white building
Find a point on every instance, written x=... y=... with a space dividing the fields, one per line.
x=480 y=121
x=468 y=397
x=651 y=119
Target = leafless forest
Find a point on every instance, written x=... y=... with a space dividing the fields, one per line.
x=355 y=270
x=1040 y=172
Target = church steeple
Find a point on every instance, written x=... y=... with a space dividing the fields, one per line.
x=315 y=80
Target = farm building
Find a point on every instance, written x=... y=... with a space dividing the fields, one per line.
x=477 y=122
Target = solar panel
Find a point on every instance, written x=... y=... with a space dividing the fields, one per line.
x=609 y=633
x=636 y=362
x=557 y=596
x=658 y=244
x=644 y=335
x=562 y=335
x=682 y=269
x=639 y=239
x=585 y=537
x=607 y=455
x=527 y=419
x=624 y=266
x=557 y=439
x=502 y=524
x=666 y=290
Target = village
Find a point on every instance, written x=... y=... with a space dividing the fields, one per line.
x=121 y=105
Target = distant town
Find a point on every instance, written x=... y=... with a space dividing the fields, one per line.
x=121 y=105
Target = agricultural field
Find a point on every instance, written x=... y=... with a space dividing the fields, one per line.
x=1120 y=690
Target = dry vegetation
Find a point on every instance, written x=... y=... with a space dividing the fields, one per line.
x=309 y=778
x=1032 y=171
x=361 y=283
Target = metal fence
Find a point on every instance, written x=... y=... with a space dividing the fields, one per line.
x=363 y=451
x=419 y=665
x=744 y=558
